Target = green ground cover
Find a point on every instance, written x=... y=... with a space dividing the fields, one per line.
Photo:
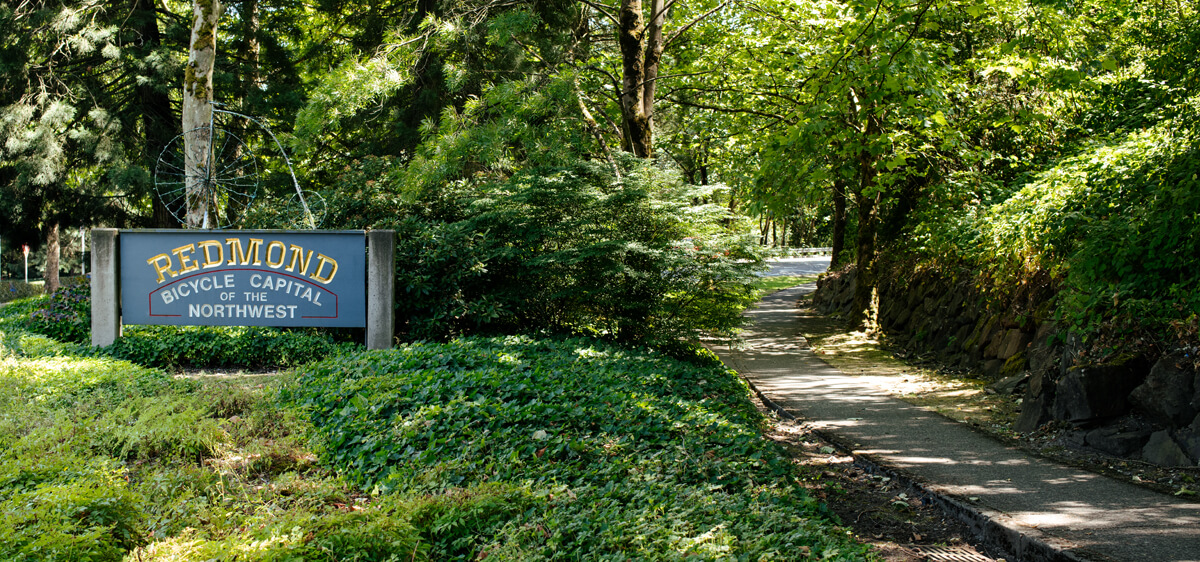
x=767 y=285
x=504 y=448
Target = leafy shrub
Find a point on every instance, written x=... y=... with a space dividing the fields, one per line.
x=654 y=520
x=25 y=344
x=563 y=249
x=632 y=451
x=67 y=314
x=16 y=313
x=15 y=290
x=636 y=261
x=1114 y=223
x=465 y=520
x=172 y=347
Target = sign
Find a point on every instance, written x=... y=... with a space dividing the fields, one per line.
x=243 y=278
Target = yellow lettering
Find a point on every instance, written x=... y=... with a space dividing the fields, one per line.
x=282 y=254
x=297 y=251
x=159 y=267
x=238 y=257
x=184 y=260
x=322 y=259
x=207 y=246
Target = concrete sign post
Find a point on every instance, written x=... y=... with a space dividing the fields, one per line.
x=381 y=275
x=106 y=311
x=247 y=278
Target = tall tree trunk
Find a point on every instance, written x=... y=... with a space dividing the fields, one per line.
x=155 y=107
x=197 y=113
x=867 y=198
x=53 y=252
x=864 y=260
x=654 y=51
x=839 y=222
x=641 y=41
x=253 y=52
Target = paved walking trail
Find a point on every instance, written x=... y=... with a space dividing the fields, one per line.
x=1033 y=508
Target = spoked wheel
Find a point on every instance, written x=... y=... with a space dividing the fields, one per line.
x=305 y=210
x=226 y=177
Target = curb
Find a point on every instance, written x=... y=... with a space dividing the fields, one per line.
x=987 y=526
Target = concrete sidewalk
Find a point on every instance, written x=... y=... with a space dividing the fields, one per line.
x=1033 y=508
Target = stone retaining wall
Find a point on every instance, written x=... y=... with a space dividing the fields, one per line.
x=1134 y=406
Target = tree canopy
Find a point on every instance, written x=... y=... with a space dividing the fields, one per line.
x=927 y=127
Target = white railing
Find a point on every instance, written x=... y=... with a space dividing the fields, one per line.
x=797 y=252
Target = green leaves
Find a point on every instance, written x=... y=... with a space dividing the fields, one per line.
x=350 y=89
x=625 y=450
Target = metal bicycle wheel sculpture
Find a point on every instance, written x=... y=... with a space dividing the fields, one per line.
x=228 y=180
x=305 y=209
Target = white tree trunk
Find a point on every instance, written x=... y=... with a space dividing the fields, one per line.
x=50 y=273
x=197 y=113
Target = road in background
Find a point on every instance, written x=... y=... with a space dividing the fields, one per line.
x=809 y=265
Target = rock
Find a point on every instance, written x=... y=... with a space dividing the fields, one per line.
x=955 y=343
x=980 y=344
x=1013 y=342
x=902 y=314
x=1189 y=441
x=916 y=294
x=1164 y=451
x=1074 y=439
x=956 y=302
x=1070 y=352
x=1013 y=366
x=1035 y=406
x=1097 y=392
x=991 y=368
x=930 y=304
x=1196 y=386
x=1035 y=411
x=942 y=336
x=997 y=340
x=1011 y=384
x=1041 y=353
x=1118 y=441
x=970 y=312
x=1040 y=383
x=1166 y=395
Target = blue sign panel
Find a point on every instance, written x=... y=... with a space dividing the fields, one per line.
x=243 y=277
